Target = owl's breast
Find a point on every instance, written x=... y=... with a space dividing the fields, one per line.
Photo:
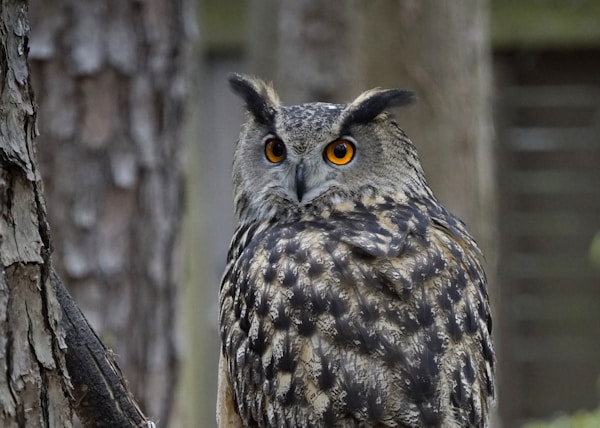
x=326 y=322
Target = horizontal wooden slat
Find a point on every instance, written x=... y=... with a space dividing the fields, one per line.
x=552 y=223
x=564 y=159
x=558 y=349
x=557 y=307
x=576 y=244
x=561 y=202
x=554 y=284
x=553 y=96
x=548 y=139
x=531 y=265
x=552 y=181
x=558 y=327
x=556 y=117
x=566 y=386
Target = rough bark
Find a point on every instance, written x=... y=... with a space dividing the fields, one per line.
x=34 y=386
x=110 y=85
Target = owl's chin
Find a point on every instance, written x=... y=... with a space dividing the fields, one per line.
x=286 y=205
x=321 y=193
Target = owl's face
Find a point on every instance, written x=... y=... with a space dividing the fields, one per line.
x=290 y=159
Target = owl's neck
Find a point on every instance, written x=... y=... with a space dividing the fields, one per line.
x=277 y=209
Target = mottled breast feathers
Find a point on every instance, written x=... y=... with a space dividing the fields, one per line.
x=358 y=319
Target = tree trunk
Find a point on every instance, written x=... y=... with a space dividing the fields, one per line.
x=34 y=388
x=318 y=55
x=316 y=46
x=110 y=84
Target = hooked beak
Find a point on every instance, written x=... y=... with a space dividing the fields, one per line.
x=300 y=181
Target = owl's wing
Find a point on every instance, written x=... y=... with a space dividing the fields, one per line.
x=432 y=267
x=227 y=416
x=378 y=236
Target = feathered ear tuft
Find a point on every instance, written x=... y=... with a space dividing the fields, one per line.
x=260 y=97
x=372 y=103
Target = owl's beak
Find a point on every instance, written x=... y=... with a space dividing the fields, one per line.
x=300 y=181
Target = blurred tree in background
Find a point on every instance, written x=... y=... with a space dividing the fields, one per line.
x=110 y=84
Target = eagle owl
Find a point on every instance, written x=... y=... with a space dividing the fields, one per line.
x=351 y=297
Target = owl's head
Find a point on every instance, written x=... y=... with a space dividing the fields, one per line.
x=295 y=159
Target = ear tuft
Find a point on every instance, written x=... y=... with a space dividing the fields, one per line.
x=260 y=97
x=372 y=103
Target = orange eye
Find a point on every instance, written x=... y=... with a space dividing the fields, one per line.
x=275 y=150
x=339 y=152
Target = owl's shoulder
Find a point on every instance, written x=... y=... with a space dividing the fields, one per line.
x=380 y=227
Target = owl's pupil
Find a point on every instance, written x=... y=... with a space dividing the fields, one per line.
x=278 y=149
x=340 y=151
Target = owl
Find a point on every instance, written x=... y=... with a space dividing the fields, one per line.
x=351 y=297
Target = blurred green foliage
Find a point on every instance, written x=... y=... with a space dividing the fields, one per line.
x=581 y=419
x=595 y=252
x=544 y=23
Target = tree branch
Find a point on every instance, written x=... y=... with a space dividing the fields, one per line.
x=101 y=395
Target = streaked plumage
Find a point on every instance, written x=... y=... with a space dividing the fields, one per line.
x=351 y=297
